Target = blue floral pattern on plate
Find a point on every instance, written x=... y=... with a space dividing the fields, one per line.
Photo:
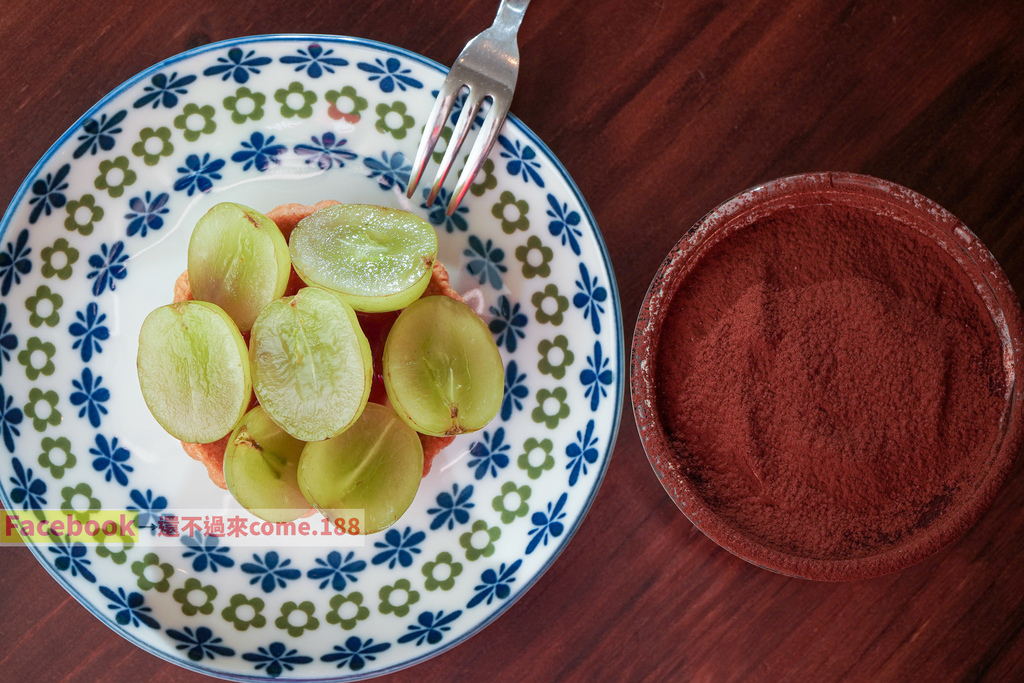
x=99 y=230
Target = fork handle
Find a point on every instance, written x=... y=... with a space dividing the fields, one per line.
x=510 y=15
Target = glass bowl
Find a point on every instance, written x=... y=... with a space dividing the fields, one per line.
x=986 y=472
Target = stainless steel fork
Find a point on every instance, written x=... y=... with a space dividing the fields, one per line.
x=488 y=66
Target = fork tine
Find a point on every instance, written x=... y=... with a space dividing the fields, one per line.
x=462 y=127
x=481 y=148
x=435 y=124
x=489 y=63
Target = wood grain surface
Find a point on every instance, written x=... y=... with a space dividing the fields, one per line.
x=659 y=111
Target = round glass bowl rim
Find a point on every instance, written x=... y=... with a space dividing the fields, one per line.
x=994 y=288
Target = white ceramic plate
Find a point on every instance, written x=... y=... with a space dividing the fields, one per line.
x=94 y=240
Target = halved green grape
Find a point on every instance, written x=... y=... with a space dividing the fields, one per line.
x=239 y=260
x=378 y=259
x=442 y=370
x=194 y=370
x=311 y=364
x=261 y=469
x=375 y=466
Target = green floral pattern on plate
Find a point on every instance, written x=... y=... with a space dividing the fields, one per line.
x=94 y=240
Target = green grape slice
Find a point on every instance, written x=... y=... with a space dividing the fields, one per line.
x=261 y=469
x=193 y=370
x=311 y=364
x=239 y=260
x=377 y=258
x=442 y=370
x=375 y=466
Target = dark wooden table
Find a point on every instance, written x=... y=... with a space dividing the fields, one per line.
x=659 y=110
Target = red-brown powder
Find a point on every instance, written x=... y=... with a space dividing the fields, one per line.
x=830 y=380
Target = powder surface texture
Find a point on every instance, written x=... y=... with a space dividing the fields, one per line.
x=830 y=381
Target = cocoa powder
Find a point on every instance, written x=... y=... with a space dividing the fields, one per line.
x=829 y=380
